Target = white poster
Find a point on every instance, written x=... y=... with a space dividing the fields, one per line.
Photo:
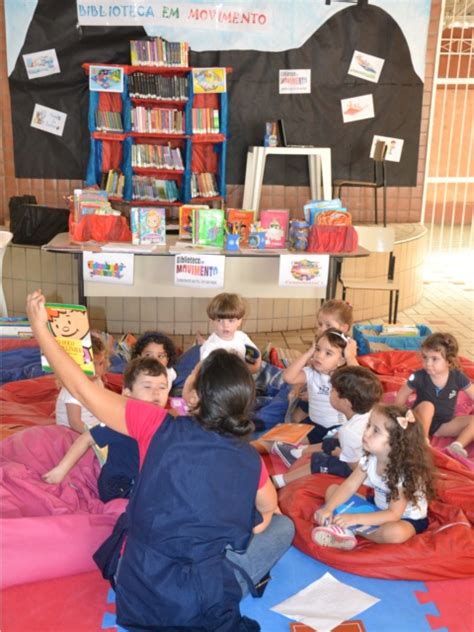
x=357 y=108
x=366 y=66
x=48 y=120
x=295 y=81
x=394 y=147
x=108 y=267
x=41 y=64
x=303 y=269
x=195 y=270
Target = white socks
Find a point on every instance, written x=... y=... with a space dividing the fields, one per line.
x=278 y=481
x=457 y=448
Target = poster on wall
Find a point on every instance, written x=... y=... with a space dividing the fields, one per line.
x=108 y=267
x=394 y=147
x=105 y=79
x=357 y=108
x=48 y=120
x=209 y=80
x=41 y=64
x=295 y=81
x=195 y=270
x=305 y=269
x=366 y=66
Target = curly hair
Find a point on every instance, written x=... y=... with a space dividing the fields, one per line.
x=226 y=392
x=334 y=337
x=147 y=366
x=409 y=459
x=159 y=339
x=359 y=386
x=226 y=305
x=340 y=310
x=443 y=343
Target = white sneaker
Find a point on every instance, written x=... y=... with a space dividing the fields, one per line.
x=457 y=448
x=334 y=536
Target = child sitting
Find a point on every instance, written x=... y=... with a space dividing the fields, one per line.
x=226 y=312
x=355 y=390
x=437 y=386
x=144 y=379
x=69 y=411
x=323 y=358
x=202 y=492
x=153 y=344
x=398 y=467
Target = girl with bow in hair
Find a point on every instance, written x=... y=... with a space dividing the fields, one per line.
x=397 y=465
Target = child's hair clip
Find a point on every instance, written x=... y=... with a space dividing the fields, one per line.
x=341 y=335
x=408 y=419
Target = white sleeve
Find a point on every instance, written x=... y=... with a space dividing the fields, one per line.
x=69 y=399
x=352 y=448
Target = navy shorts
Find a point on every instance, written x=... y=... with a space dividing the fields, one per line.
x=420 y=525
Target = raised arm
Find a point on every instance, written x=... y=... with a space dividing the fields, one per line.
x=107 y=406
x=69 y=460
x=294 y=373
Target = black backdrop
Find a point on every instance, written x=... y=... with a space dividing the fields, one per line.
x=314 y=118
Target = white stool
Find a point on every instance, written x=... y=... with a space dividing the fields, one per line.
x=5 y=238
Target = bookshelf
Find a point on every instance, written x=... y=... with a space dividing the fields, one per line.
x=158 y=143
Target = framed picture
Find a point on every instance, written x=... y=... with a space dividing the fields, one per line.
x=209 y=80
x=105 y=79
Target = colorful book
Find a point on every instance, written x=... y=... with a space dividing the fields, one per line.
x=208 y=227
x=185 y=219
x=148 y=225
x=357 y=504
x=244 y=219
x=69 y=324
x=288 y=433
x=15 y=327
x=126 y=344
x=275 y=223
x=312 y=209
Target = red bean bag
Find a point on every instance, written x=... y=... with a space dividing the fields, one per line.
x=445 y=550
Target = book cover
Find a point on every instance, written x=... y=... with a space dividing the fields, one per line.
x=357 y=504
x=125 y=345
x=152 y=226
x=345 y=626
x=208 y=227
x=288 y=433
x=69 y=324
x=313 y=208
x=275 y=222
x=185 y=219
x=244 y=219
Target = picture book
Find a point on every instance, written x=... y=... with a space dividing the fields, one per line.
x=244 y=219
x=357 y=504
x=275 y=223
x=185 y=219
x=288 y=433
x=125 y=345
x=15 y=327
x=69 y=324
x=312 y=209
x=148 y=225
x=208 y=227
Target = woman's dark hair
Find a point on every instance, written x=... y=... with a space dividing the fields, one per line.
x=159 y=339
x=148 y=366
x=409 y=460
x=359 y=386
x=335 y=338
x=443 y=343
x=226 y=393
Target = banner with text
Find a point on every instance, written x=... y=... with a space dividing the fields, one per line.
x=304 y=269
x=108 y=267
x=206 y=271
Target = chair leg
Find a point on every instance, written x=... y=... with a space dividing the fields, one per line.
x=375 y=206
x=384 y=190
x=390 y=307
x=395 y=314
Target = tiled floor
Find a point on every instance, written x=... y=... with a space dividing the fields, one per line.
x=447 y=305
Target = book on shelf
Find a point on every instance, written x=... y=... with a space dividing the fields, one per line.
x=205 y=121
x=244 y=219
x=203 y=185
x=186 y=219
x=149 y=120
x=208 y=227
x=157 y=157
x=158 y=52
x=156 y=87
x=113 y=182
x=154 y=189
x=148 y=225
x=275 y=223
x=108 y=121
x=69 y=324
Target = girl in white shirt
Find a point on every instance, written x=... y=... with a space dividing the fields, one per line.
x=397 y=465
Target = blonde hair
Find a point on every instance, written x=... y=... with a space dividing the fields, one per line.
x=341 y=311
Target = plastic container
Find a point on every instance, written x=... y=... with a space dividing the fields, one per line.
x=367 y=343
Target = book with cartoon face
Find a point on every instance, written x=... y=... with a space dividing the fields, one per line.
x=69 y=324
x=275 y=223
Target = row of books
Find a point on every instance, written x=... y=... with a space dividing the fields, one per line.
x=156 y=51
x=203 y=185
x=316 y=207
x=149 y=188
x=143 y=85
x=113 y=181
x=205 y=121
x=148 y=225
x=108 y=121
x=157 y=157
x=237 y=217
x=89 y=202
x=157 y=120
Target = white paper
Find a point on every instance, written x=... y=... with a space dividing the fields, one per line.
x=48 y=120
x=303 y=269
x=295 y=81
x=366 y=66
x=195 y=270
x=394 y=147
x=110 y=267
x=41 y=64
x=325 y=604
x=357 y=108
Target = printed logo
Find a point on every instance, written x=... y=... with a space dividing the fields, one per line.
x=452 y=394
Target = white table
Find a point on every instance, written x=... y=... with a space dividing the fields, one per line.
x=319 y=165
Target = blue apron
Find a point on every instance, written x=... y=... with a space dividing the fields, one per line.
x=194 y=497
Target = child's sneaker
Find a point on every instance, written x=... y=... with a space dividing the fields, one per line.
x=457 y=448
x=334 y=536
x=284 y=451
